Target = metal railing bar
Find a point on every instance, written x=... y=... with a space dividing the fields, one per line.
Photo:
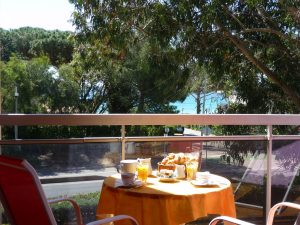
x=59 y=141
x=269 y=169
x=123 y=140
x=147 y=139
x=286 y=137
x=101 y=139
x=199 y=138
x=148 y=119
x=41 y=141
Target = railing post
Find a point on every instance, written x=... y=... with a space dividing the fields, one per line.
x=269 y=170
x=16 y=110
x=123 y=141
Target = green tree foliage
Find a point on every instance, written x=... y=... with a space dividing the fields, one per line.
x=39 y=63
x=41 y=88
x=157 y=75
x=28 y=43
x=146 y=80
x=249 y=47
x=139 y=74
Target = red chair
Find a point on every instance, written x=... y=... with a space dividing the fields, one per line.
x=24 y=200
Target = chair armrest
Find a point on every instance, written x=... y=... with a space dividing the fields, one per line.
x=76 y=207
x=278 y=205
x=228 y=219
x=114 y=218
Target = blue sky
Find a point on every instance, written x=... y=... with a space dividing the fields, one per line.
x=47 y=14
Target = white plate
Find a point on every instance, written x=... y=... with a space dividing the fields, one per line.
x=205 y=182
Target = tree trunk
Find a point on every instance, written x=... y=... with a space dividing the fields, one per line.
x=141 y=106
x=198 y=102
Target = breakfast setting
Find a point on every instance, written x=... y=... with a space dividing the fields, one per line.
x=171 y=186
x=175 y=167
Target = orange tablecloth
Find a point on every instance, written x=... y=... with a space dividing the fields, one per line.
x=166 y=203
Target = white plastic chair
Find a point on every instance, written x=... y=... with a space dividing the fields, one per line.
x=269 y=219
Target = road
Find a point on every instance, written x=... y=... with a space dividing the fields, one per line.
x=72 y=188
x=62 y=189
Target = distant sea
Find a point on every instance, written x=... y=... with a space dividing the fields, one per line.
x=212 y=101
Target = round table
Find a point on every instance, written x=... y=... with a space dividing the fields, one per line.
x=166 y=203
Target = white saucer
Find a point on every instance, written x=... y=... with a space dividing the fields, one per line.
x=205 y=182
x=137 y=183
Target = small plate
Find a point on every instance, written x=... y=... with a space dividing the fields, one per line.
x=204 y=183
x=168 y=179
x=136 y=184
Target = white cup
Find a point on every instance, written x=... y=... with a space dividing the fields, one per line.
x=128 y=166
x=128 y=178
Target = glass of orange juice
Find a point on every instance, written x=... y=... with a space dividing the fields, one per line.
x=142 y=171
x=191 y=170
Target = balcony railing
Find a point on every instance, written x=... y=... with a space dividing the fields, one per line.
x=124 y=120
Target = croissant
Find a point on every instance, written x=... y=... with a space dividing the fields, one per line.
x=179 y=158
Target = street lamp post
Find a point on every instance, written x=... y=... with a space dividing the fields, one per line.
x=0 y=104
x=165 y=145
x=1 y=207
x=16 y=110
